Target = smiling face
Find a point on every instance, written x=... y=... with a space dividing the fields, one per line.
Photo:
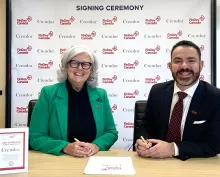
x=77 y=75
x=185 y=66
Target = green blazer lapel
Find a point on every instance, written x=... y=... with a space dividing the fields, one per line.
x=97 y=109
x=62 y=109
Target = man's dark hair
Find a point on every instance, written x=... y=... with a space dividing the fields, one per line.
x=186 y=43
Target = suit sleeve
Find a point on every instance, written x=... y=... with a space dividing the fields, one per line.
x=39 y=138
x=209 y=146
x=110 y=135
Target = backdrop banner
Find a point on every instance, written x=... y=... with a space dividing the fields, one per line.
x=131 y=39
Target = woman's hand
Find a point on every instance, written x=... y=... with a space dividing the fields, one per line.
x=93 y=149
x=77 y=149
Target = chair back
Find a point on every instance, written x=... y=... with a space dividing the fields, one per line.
x=138 y=119
x=31 y=105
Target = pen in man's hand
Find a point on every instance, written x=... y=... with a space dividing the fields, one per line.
x=144 y=141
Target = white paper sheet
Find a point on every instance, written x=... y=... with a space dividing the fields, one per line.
x=109 y=165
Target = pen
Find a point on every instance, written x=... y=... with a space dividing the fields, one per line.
x=143 y=140
x=76 y=140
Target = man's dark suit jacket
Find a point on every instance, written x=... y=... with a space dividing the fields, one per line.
x=199 y=140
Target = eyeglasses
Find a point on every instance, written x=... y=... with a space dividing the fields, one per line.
x=84 y=65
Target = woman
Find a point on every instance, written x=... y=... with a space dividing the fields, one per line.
x=73 y=116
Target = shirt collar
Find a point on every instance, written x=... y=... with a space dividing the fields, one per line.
x=190 y=91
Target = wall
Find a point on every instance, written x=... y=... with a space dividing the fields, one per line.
x=2 y=60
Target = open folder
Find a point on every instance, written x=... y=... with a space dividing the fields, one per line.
x=109 y=165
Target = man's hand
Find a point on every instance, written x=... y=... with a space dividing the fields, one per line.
x=162 y=149
x=141 y=146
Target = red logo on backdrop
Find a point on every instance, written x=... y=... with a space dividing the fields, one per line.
x=202 y=78
x=131 y=65
x=45 y=65
x=22 y=109
x=131 y=36
x=24 y=21
x=150 y=21
x=62 y=50
x=131 y=95
x=109 y=51
x=202 y=48
x=24 y=51
x=196 y=20
x=24 y=80
x=88 y=36
x=45 y=36
x=174 y=35
x=152 y=80
x=128 y=125
x=109 y=21
x=114 y=108
x=152 y=51
x=109 y=80
x=67 y=21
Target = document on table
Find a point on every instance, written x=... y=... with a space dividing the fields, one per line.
x=109 y=165
x=13 y=150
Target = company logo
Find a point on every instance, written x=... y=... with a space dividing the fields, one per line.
x=88 y=22
x=130 y=94
x=24 y=51
x=174 y=21
x=23 y=66
x=113 y=95
x=152 y=80
x=109 y=21
x=45 y=51
x=109 y=80
x=196 y=20
x=152 y=51
x=45 y=21
x=131 y=65
x=62 y=50
x=45 y=36
x=68 y=36
x=114 y=108
x=128 y=125
x=109 y=66
x=150 y=21
x=152 y=66
x=24 y=21
x=17 y=124
x=88 y=36
x=24 y=95
x=67 y=21
x=131 y=21
x=45 y=80
x=128 y=110
x=202 y=78
x=146 y=95
x=109 y=36
x=174 y=35
x=109 y=51
x=22 y=109
x=24 y=36
x=23 y=79
x=127 y=140
x=131 y=80
x=131 y=51
x=202 y=47
x=45 y=65
x=131 y=36
x=153 y=36
x=196 y=35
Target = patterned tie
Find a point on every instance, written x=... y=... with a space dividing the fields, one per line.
x=174 y=132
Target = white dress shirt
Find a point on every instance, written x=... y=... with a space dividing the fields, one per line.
x=186 y=103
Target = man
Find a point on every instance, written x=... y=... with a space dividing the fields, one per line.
x=182 y=116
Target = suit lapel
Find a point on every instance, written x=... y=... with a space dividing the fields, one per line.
x=196 y=107
x=165 y=107
x=97 y=109
x=62 y=109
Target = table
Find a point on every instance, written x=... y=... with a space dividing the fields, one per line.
x=46 y=165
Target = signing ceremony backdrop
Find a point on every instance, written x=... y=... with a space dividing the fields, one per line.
x=131 y=39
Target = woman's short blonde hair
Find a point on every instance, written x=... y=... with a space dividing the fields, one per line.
x=72 y=52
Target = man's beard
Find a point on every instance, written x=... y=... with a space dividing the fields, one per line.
x=186 y=81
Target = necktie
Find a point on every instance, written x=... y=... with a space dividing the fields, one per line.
x=174 y=131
